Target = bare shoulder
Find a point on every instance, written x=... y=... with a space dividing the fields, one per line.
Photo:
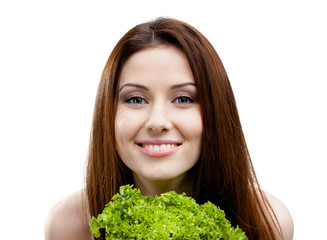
x=283 y=215
x=67 y=220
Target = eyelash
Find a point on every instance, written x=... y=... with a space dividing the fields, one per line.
x=133 y=98
x=189 y=99
x=130 y=100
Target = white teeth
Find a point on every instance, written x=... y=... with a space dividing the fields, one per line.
x=158 y=147
x=163 y=147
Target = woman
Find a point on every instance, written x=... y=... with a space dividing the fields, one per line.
x=166 y=119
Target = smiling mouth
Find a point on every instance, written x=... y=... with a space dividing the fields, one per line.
x=159 y=147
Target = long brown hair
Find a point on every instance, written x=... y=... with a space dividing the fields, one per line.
x=224 y=173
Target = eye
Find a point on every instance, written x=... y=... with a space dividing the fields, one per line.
x=135 y=100
x=184 y=100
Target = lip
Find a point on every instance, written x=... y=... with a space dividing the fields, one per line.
x=158 y=153
x=158 y=141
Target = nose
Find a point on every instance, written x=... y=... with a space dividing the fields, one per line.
x=158 y=120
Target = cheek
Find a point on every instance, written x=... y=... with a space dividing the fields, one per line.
x=196 y=126
x=191 y=125
x=122 y=128
x=126 y=126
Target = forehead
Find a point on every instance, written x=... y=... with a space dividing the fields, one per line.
x=164 y=62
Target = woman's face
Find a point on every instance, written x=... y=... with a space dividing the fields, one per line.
x=158 y=126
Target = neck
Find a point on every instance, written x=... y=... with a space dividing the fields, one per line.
x=154 y=188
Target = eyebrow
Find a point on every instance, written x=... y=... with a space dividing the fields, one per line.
x=134 y=85
x=182 y=85
x=147 y=89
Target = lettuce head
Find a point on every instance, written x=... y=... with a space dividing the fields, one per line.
x=130 y=215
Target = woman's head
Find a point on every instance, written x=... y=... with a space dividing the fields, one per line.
x=222 y=171
x=213 y=89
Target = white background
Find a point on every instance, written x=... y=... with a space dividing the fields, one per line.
x=51 y=57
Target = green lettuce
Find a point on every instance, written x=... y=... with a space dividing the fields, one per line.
x=131 y=215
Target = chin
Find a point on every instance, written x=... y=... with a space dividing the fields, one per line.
x=163 y=175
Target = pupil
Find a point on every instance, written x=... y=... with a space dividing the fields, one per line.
x=137 y=100
x=183 y=100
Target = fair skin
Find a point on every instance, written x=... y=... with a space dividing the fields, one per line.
x=157 y=91
x=161 y=142
x=67 y=221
